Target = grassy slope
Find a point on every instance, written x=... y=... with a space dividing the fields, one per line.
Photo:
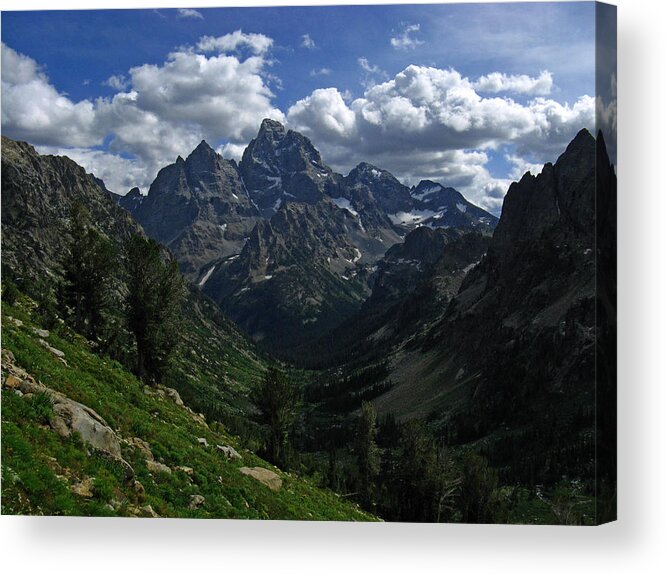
x=216 y=365
x=39 y=467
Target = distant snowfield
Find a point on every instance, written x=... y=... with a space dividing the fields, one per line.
x=413 y=217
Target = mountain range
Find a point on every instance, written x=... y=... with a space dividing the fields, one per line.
x=285 y=245
x=499 y=333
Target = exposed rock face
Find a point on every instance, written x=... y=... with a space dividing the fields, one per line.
x=196 y=501
x=38 y=193
x=198 y=207
x=297 y=275
x=516 y=347
x=73 y=416
x=269 y=478
x=157 y=467
x=412 y=287
x=306 y=270
x=229 y=452
x=84 y=488
x=282 y=242
x=281 y=164
x=406 y=264
x=557 y=203
x=390 y=194
x=439 y=206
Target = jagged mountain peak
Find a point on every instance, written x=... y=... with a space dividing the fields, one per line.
x=270 y=126
x=559 y=201
x=203 y=149
x=583 y=138
x=367 y=172
x=428 y=189
x=280 y=164
x=198 y=207
x=38 y=193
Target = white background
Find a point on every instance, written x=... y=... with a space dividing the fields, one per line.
x=634 y=544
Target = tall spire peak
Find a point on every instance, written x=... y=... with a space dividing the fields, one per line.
x=268 y=125
x=203 y=149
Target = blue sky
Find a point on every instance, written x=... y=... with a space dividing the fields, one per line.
x=468 y=94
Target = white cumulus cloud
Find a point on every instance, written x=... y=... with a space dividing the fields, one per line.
x=257 y=43
x=519 y=84
x=424 y=122
x=33 y=110
x=431 y=123
x=159 y=111
x=190 y=13
x=406 y=40
x=117 y=82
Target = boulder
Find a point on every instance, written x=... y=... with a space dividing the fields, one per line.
x=59 y=354
x=142 y=446
x=229 y=452
x=186 y=470
x=269 y=478
x=157 y=467
x=84 y=488
x=139 y=490
x=148 y=511
x=41 y=332
x=70 y=416
x=29 y=385
x=173 y=395
x=11 y=382
x=196 y=501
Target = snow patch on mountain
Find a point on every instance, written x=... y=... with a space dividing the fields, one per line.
x=276 y=181
x=461 y=207
x=425 y=192
x=345 y=204
x=205 y=278
x=413 y=217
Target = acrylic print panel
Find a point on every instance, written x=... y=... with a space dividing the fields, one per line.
x=330 y=263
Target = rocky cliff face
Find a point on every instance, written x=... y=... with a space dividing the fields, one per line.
x=280 y=165
x=439 y=206
x=411 y=288
x=198 y=207
x=297 y=276
x=38 y=193
x=425 y=251
x=282 y=203
x=514 y=356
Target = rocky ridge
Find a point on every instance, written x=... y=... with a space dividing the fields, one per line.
x=198 y=207
x=38 y=194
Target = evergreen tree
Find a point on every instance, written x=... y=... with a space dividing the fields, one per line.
x=278 y=404
x=367 y=453
x=478 y=482
x=10 y=292
x=153 y=307
x=89 y=272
